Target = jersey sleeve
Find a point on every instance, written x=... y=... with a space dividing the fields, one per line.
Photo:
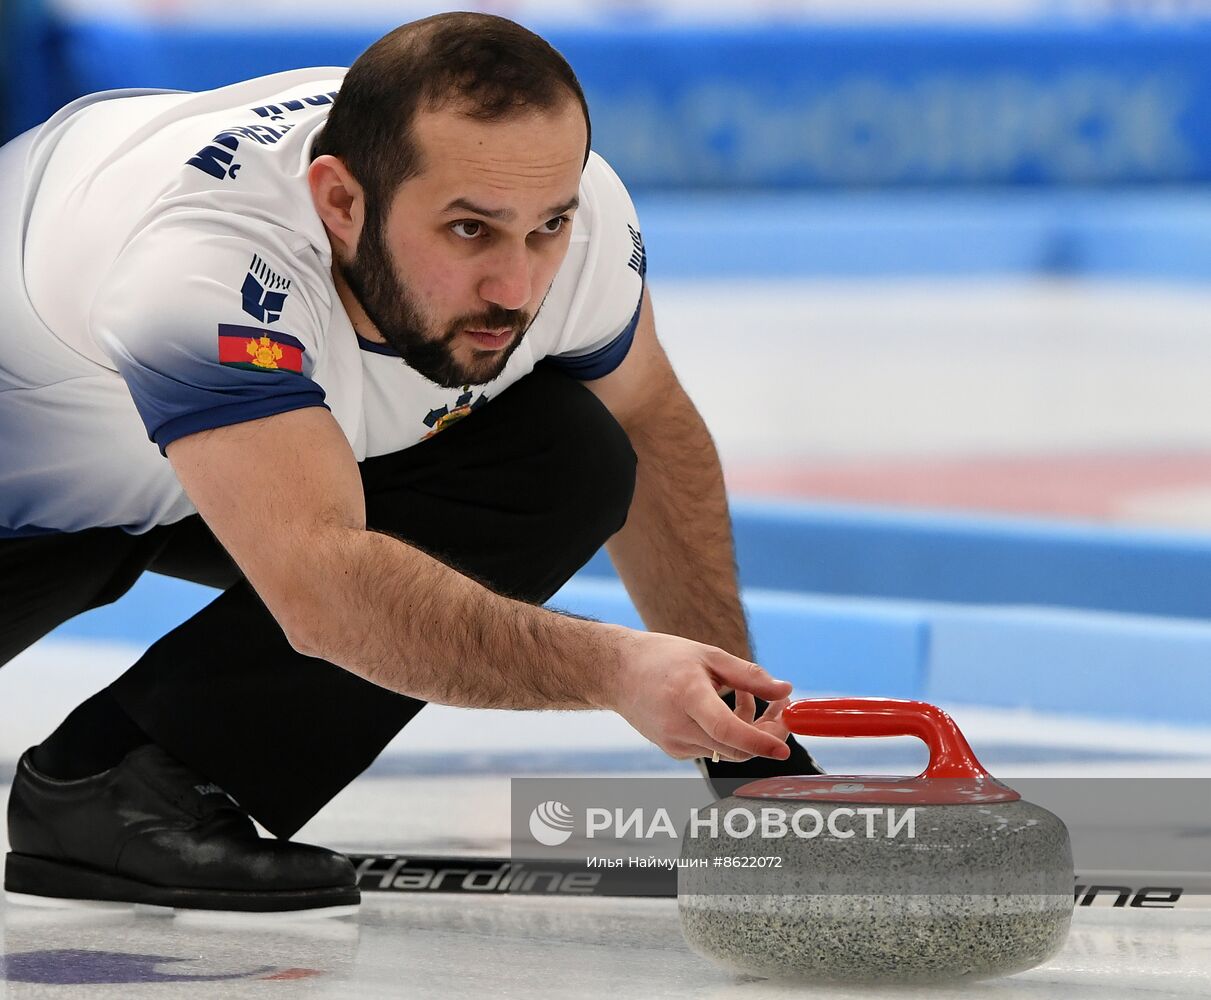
x=609 y=292
x=210 y=326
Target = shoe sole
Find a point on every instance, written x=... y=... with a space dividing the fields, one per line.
x=38 y=881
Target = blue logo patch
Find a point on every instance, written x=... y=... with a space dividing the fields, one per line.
x=264 y=292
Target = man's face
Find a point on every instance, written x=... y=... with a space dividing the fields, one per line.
x=455 y=272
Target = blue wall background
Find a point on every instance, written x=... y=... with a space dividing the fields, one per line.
x=790 y=106
x=1057 y=147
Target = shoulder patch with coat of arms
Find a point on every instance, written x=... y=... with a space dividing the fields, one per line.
x=254 y=349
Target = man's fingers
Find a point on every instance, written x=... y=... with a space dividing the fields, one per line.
x=746 y=706
x=771 y=720
x=728 y=734
x=744 y=676
x=730 y=758
x=716 y=751
x=686 y=751
x=690 y=750
x=773 y=710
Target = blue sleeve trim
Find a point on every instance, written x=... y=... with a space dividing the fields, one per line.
x=599 y=363
x=234 y=413
x=373 y=347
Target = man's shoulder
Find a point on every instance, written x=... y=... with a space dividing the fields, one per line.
x=186 y=173
x=610 y=225
x=604 y=199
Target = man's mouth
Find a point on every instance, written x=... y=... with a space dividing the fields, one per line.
x=491 y=339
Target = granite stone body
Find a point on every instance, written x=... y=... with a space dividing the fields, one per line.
x=959 y=892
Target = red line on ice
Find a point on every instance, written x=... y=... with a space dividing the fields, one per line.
x=1081 y=485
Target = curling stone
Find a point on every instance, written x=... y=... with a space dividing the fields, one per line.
x=942 y=877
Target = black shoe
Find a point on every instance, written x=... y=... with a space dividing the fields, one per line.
x=151 y=831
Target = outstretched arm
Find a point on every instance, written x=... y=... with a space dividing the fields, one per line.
x=293 y=518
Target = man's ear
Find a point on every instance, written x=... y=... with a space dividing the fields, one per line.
x=339 y=201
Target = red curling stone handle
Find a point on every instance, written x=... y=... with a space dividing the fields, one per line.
x=949 y=754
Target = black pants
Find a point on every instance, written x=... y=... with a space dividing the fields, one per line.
x=518 y=496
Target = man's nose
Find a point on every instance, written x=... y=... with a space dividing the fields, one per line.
x=508 y=283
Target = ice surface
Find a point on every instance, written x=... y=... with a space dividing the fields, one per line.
x=445 y=947
x=523 y=947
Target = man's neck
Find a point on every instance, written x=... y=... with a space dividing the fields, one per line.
x=361 y=323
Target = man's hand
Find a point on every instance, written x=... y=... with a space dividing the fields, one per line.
x=667 y=688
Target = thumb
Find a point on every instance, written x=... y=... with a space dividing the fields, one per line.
x=745 y=676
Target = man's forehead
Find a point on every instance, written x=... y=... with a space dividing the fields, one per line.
x=527 y=150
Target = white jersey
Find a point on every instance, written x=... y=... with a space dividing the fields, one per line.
x=163 y=271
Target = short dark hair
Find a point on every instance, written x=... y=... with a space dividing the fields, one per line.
x=489 y=65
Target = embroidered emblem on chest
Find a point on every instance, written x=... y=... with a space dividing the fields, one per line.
x=439 y=419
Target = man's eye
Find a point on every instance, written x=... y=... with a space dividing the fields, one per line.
x=468 y=229
x=555 y=225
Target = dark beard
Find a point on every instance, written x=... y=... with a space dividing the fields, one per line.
x=395 y=313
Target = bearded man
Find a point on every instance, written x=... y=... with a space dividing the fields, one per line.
x=371 y=354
